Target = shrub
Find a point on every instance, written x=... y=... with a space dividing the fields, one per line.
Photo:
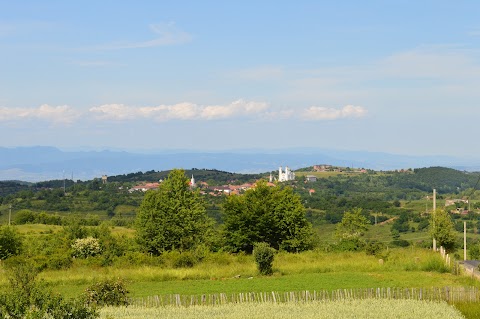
x=59 y=261
x=185 y=260
x=24 y=216
x=348 y=245
x=374 y=248
x=56 y=261
x=135 y=258
x=400 y=243
x=26 y=298
x=264 y=255
x=10 y=242
x=86 y=247
x=474 y=251
x=107 y=293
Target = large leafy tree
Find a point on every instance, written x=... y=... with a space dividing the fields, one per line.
x=274 y=215
x=172 y=217
x=442 y=229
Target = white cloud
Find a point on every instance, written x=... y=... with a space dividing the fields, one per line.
x=316 y=113
x=236 y=109
x=56 y=114
x=242 y=109
x=239 y=109
x=180 y=111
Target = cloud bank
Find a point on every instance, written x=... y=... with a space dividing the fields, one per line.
x=180 y=111
x=315 y=113
x=239 y=109
x=62 y=114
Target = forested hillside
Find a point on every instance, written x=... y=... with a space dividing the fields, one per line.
x=12 y=187
x=212 y=177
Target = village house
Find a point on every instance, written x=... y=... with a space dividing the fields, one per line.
x=144 y=187
x=322 y=168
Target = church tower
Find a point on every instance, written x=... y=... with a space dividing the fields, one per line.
x=192 y=182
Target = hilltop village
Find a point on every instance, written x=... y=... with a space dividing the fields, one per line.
x=283 y=176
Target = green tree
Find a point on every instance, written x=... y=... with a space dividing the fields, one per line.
x=273 y=215
x=442 y=229
x=172 y=217
x=10 y=242
x=352 y=226
x=350 y=230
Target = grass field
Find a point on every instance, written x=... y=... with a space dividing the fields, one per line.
x=224 y=273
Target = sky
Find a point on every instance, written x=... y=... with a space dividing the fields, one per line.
x=401 y=77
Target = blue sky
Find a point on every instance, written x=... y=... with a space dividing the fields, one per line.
x=393 y=76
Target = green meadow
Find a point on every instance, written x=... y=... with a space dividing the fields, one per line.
x=228 y=273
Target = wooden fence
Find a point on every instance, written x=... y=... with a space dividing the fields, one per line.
x=450 y=294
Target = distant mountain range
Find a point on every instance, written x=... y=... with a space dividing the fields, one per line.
x=40 y=163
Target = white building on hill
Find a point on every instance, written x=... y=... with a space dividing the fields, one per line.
x=192 y=182
x=288 y=175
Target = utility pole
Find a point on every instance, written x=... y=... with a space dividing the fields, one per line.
x=464 y=240
x=434 y=208
x=10 y=215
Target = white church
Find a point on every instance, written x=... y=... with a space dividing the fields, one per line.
x=288 y=175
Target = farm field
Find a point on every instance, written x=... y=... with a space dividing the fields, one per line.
x=369 y=308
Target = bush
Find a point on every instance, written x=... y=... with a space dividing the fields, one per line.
x=348 y=245
x=107 y=293
x=474 y=251
x=26 y=298
x=263 y=255
x=135 y=258
x=423 y=224
x=400 y=243
x=59 y=261
x=374 y=248
x=86 y=247
x=185 y=260
x=24 y=216
x=10 y=242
